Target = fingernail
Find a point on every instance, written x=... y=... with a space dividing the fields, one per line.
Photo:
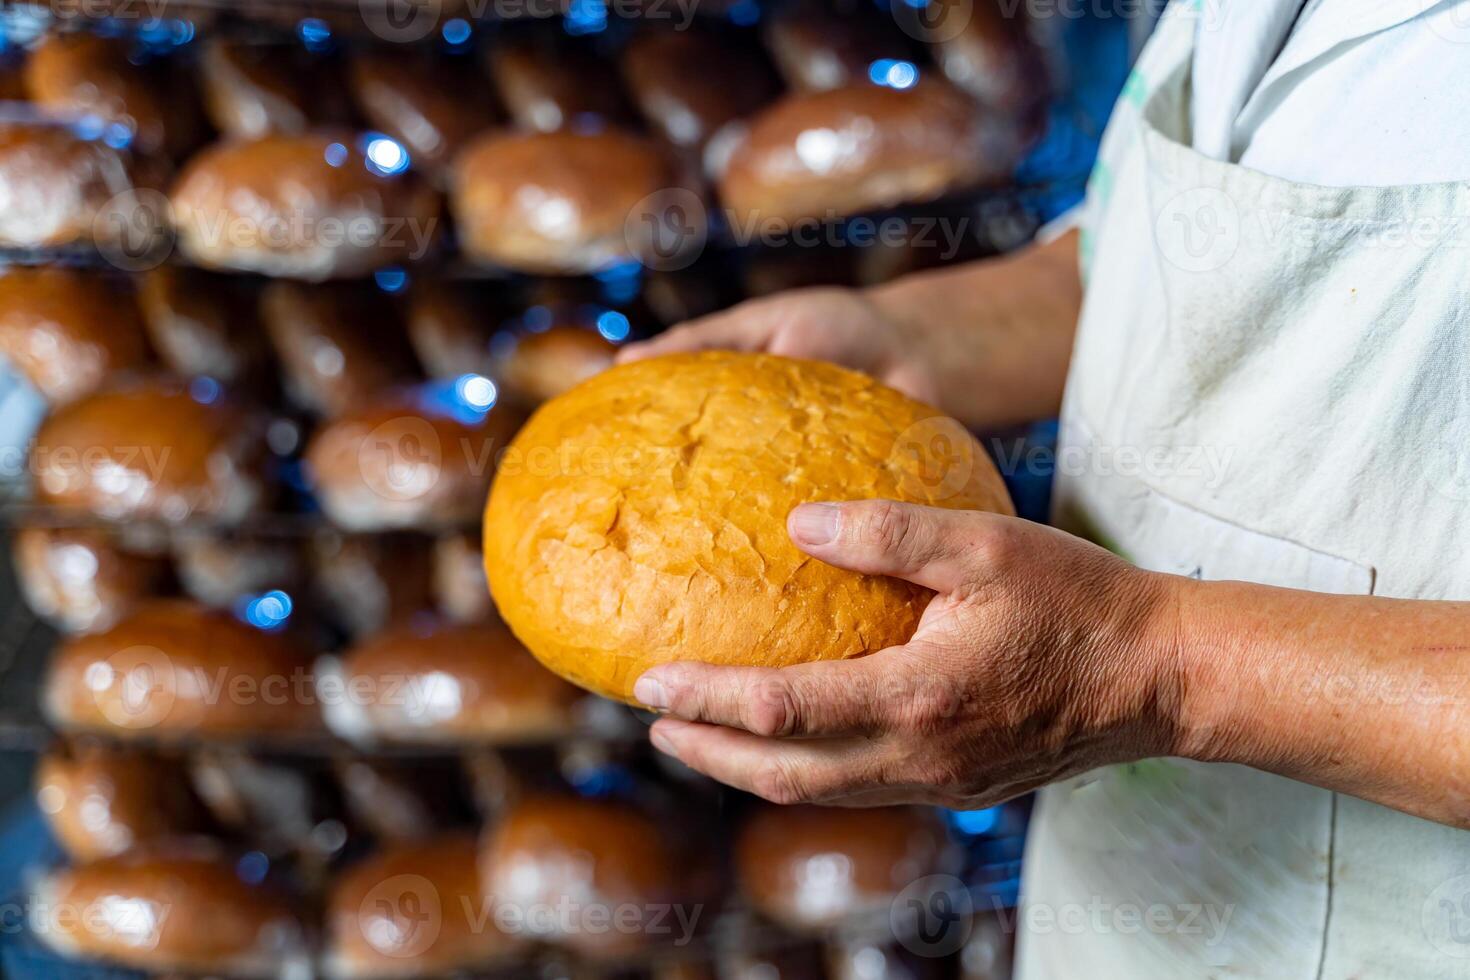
x=659 y=736
x=813 y=523
x=650 y=692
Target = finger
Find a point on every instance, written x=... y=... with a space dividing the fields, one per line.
x=838 y=697
x=782 y=771
x=929 y=546
x=746 y=328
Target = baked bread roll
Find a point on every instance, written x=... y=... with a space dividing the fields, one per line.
x=688 y=84
x=82 y=579
x=988 y=51
x=659 y=532
x=175 y=667
x=416 y=459
x=338 y=344
x=100 y=802
x=831 y=154
x=425 y=103
x=414 y=910
x=536 y=365
x=77 y=74
x=555 y=203
x=605 y=856
x=439 y=682
x=152 y=449
x=550 y=82
x=55 y=184
x=811 y=867
x=201 y=323
x=319 y=205
x=217 y=921
x=66 y=331
x=252 y=90
x=816 y=50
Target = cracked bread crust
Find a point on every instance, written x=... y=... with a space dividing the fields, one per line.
x=641 y=518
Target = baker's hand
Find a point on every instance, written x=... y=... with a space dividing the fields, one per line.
x=1040 y=656
x=824 y=324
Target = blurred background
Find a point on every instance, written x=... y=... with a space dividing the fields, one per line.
x=188 y=462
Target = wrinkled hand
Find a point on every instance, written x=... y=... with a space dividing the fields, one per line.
x=824 y=324
x=1039 y=657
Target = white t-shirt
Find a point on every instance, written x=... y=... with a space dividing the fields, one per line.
x=1336 y=92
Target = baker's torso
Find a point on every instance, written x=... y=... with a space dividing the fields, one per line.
x=1271 y=383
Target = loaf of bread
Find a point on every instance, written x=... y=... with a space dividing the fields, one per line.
x=641 y=517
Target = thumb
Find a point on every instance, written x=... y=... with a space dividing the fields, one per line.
x=929 y=546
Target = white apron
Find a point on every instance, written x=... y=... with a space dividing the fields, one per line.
x=1271 y=383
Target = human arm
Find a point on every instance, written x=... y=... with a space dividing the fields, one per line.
x=988 y=342
x=1042 y=656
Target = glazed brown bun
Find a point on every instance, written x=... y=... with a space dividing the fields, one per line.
x=370 y=581
x=406 y=462
x=815 y=50
x=76 y=74
x=549 y=82
x=810 y=867
x=539 y=365
x=66 y=331
x=82 y=579
x=438 y=682
x=370 y=931
x=338 y=344
x=175 y=667
x=149 y=450
x=217 y=922
x=201 y=323
x=831 y=154
x=688 y=84
x=460 y=590
x=252 y=90
x=56 y=185
x=310 y=206
x=603 y=855
x=101 y=802
x=554 y=203
x=641 y=517
x=990 y=54
x=450 y=325
x=430 y=105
